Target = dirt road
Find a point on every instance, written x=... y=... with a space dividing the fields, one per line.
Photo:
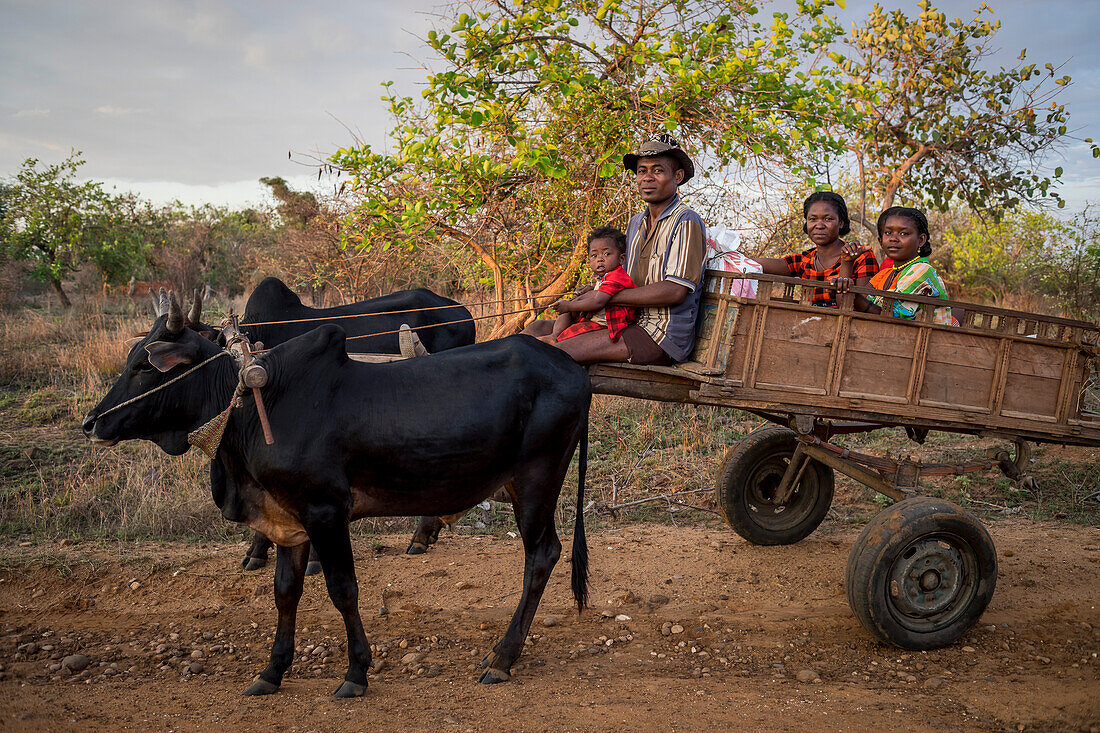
x=691 y=629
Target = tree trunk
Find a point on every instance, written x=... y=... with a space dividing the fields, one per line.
x=552 y=292
x=60 y=292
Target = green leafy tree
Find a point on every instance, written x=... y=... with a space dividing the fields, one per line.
x=1026 y=259
x=60 y=224
x=515 y=150
x=46 y=214
x=926 y=120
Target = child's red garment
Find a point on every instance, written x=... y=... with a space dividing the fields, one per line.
x=614 y=317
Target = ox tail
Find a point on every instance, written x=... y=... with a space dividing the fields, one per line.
x=580 y=546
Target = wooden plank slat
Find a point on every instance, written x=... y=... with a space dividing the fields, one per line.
x=1000 y=377
x=917 y=368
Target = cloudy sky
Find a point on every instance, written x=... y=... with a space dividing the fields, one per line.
x=197 y=99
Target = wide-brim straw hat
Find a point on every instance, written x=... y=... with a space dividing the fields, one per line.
x=660 y=144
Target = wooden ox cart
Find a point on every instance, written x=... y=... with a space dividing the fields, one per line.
x=923 y=571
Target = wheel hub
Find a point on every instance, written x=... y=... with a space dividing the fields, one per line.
x=927 y=578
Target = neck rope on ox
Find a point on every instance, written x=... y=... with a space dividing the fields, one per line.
x=158 y=388
x=206 y=437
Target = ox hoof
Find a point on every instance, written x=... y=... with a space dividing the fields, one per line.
x=253 y=563
x=416 y=548
x=493 y=676
x=348 y=688
x=313 y=567
x=261 y=687
x=490 y=658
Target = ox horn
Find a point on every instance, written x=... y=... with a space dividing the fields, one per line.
x=160 y=304
x=195 y=313
x=175 y=313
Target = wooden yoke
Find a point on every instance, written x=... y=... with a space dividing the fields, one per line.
x=252 y=375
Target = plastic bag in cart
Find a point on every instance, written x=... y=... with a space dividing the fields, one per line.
x=722 y=254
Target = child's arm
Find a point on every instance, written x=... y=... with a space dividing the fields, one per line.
x=589 y=302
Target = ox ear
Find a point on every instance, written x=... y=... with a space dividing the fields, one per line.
x=165 y=355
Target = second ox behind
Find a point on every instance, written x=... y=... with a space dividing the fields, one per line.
x=439 y=322
x=421 y=436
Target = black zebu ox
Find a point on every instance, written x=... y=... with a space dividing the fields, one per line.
x=432 y=435
x=439 y=329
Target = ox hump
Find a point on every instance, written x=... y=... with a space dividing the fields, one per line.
x=272 y=293
x=327 y=340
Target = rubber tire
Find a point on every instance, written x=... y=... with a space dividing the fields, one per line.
x=906 y=527
x=758 y=456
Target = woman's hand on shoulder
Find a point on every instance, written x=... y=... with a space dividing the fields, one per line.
x=851 y=251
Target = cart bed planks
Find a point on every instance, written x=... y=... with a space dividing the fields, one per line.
x=1001 y=373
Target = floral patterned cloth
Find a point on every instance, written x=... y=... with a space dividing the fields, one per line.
x=915 y=277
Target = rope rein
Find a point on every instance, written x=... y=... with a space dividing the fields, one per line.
x=410 y=310
x=143 y=395
x=411 y=328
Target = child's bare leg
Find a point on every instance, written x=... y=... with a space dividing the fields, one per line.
x=539 y=328
x=562 y=322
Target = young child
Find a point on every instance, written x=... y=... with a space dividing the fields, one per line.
x=903 y=233
x=826 y=221
x=590 y=311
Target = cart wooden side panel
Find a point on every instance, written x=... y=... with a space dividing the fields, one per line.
x=1003 y=372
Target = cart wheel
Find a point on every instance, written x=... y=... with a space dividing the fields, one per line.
x=921 y=573
x=752 y=471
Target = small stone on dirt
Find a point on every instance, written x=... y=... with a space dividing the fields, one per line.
x=135 y=585
x=622 y=617
x=549 y=621
x=464 y=585
x=807 y=675
x=933 y=682
x=75 y=662
x=677 y=629
x=195 y=668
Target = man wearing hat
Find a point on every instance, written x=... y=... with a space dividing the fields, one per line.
x=665 y=259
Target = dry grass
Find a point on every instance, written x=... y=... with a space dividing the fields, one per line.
x=54 y=367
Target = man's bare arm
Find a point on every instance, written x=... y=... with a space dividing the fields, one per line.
x=665 y=292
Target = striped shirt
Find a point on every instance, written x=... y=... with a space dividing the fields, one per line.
x=674 y=251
